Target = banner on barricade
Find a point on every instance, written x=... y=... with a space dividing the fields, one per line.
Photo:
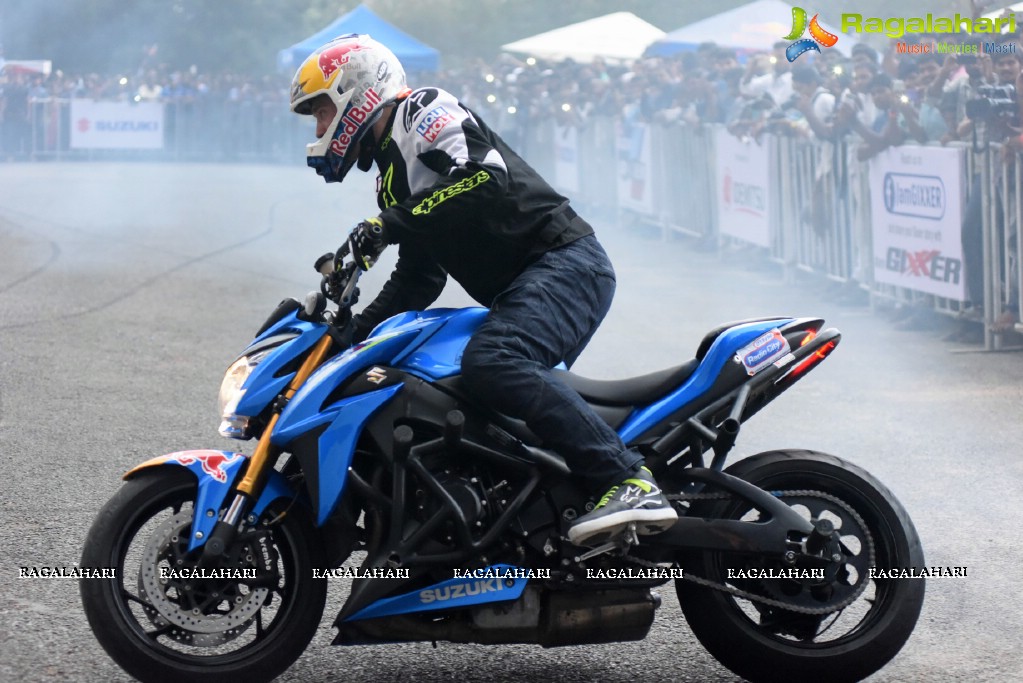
x=743 y=191
x=634 y=169
x=917 y=221
x=566 y=159
x=99 y=124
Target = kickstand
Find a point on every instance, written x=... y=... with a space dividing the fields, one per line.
x=622 y=543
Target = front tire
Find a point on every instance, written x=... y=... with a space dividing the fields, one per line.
x=763 y=643
x=200 y=630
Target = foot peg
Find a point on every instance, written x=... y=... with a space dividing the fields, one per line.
x=621 y=541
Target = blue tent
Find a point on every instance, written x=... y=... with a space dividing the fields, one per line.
x=414 y=56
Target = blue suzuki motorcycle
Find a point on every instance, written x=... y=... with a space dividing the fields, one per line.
x=371 y=462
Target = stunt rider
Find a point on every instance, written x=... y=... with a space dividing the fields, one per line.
x=458 y=201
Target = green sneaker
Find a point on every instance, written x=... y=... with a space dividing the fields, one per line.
x=637 y=499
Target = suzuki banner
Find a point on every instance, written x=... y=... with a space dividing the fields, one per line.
x=116 y=125
x=743 y=195
x=917 y=219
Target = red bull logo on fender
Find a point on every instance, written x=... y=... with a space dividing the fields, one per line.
x=212 y=462
x=334 y=58
x=353 y=118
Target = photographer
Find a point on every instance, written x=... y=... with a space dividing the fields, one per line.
x=993 y=115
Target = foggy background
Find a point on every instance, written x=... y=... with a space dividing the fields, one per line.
x=243 y=36
x=126 y=288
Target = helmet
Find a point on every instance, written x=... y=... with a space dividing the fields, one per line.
x=361 y=77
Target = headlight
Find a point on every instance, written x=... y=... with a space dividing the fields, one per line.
x=236 y=426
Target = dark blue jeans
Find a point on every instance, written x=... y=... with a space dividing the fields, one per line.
x=547 y=315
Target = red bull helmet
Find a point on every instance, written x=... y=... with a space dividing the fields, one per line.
x=361 y=77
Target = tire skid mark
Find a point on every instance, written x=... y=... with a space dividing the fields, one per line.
x=148 y=282
x=35 y=272
x=99 y=236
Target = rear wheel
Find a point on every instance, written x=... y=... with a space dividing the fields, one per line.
x=250 y=623
x=748 y=631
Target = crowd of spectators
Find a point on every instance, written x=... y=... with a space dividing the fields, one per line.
x=882 y=99
x=885 y=99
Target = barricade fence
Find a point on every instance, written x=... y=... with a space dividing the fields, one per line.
x=918 y=225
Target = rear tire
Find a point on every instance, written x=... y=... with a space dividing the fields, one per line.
x=759 y=644
x=152 y=647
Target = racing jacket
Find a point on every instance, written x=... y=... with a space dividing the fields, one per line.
x=458 y=201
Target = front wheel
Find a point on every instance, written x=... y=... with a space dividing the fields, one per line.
x=744 y=625
x=161 y=623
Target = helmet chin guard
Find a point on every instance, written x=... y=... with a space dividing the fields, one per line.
x=361 y=77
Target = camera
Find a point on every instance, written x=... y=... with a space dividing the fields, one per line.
x=994 y=104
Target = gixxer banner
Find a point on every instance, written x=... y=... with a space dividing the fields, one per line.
x=917 y=219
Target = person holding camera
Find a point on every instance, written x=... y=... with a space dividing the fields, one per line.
x=991 y=114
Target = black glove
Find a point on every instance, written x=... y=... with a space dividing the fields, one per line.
x=366 y=241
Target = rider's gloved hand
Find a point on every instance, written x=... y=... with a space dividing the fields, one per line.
x=366 y=242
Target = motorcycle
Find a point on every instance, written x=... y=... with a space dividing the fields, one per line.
x=460 y=514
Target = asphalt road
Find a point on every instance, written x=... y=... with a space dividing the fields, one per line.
x=126 y=289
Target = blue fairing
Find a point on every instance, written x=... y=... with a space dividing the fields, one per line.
x=215 y=472
x=462 y=592
x=263 y=384
x=309 y=409
x=438 y=354
x=337 y=444
x=721 y=351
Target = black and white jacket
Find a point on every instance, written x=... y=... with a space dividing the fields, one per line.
x=458 y=201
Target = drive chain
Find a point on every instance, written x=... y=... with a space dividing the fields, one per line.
x=753 y=597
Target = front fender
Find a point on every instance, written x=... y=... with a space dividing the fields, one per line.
x=216 y=472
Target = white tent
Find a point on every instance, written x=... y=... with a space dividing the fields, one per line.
x=756 y=26
x=1008 y=9
x=621 y=36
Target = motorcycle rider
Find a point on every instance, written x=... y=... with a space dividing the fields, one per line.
x=458 y=201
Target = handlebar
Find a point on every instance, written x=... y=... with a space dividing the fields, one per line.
x=339 y=286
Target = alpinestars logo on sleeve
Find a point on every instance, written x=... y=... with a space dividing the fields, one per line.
x=464 y=185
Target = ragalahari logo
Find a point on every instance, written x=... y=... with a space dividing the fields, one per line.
x=817 y=35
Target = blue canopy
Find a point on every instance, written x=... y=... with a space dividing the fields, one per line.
x=414 y=55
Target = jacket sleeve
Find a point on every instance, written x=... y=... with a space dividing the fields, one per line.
x=415 y=283
x=455 y=173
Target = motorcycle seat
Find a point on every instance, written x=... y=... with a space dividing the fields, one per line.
x=634 y=391
x=645 y=389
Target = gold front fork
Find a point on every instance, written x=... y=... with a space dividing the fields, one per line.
x=264 y=458
x=265 y=455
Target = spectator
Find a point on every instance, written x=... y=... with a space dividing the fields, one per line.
x=855 y=104
x=889 y=127
x=814 y=101
x=768 y=75
x=931 y=119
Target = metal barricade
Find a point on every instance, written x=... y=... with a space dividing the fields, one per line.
x=1014 y=245
x=1000 y=187
x=820 y=213
x=596 y=155
x=50 y=125
x=683 y=180
x=201 y=129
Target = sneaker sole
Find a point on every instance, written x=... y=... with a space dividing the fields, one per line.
x=648 y=522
